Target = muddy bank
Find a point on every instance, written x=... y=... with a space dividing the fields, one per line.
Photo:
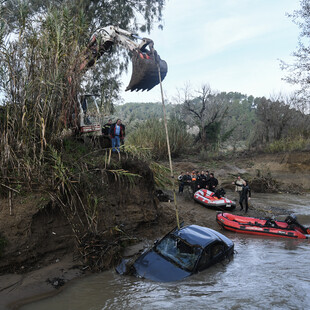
x=291 y=171
x=40 y=242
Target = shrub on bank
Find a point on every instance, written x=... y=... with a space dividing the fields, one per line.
x=151 y=134
x=288 y=144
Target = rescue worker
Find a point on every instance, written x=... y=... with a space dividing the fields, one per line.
x=197 y=184
x=181 y=182
x=187 y=179
x=203 y=180
x=106 y=128
x=212 y=183
x=207 y=179
x=194 y=178
x=238 y=188
x=245 y=195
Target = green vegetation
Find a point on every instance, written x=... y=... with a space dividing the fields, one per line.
x=220 y=123
x=40 y=53
x=288 y=144
x=151 y=134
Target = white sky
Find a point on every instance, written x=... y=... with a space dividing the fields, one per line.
x=232 y=45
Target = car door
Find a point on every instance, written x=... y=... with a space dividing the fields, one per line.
x=211 y=255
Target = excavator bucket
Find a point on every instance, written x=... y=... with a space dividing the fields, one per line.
x=145 y=71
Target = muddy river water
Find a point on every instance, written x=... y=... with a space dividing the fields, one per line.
x=265 y=273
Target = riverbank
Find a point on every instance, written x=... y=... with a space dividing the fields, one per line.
x=18 y=289
x=143 y=218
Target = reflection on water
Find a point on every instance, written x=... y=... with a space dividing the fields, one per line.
x=265 y=273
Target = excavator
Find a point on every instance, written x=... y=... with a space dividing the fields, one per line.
x=146 y=63
x=148 y=69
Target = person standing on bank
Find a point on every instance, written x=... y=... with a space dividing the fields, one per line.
x=239 y=182
x=106 y=128
x=116 y=134
x=181 y=182
x=245 y=196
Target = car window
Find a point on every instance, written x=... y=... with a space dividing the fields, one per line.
x=210 y=253
x=216 y=250
x=204 y=260
x=180 y=252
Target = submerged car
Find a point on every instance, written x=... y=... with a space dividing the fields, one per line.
x=181 y=253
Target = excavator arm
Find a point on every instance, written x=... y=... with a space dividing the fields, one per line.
x=146 y=63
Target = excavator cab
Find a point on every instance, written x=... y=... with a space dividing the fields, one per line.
x=89 y=121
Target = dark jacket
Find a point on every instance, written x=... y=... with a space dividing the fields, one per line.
x=203 y=181
x=212 y=183
x=113 y=128
x=106 y=129
x=245 y=193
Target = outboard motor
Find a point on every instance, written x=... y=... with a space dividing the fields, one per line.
x=292 y=220
x=219 y=193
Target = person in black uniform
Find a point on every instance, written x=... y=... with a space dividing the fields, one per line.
x=245 y=196
x=212 y=183
x=106 y=128
x=203 y=180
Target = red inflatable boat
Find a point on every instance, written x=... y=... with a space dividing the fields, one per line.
x=213 y=200
x=289 y=228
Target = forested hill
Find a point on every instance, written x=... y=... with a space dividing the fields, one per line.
x=221 y=117
x=141 y=111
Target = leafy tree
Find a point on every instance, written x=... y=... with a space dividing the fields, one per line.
x=277 y=120
x=206 y=110
x=39 y=46
x=134 y=15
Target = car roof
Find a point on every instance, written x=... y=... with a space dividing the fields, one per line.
x=197 y=235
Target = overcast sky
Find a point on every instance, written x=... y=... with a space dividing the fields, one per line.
x=232 y=45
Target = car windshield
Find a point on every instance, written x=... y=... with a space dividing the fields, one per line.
x=180 y=252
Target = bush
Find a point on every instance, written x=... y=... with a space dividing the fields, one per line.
x=151 y=134
x=288 y=144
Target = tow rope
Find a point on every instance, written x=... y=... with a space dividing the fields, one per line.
x=168 y=145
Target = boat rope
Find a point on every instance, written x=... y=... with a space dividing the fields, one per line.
x=168 y=146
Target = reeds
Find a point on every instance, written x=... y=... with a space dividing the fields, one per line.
x=38 y=102
x=151 y=135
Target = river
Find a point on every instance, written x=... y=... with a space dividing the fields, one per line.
x=265 y=273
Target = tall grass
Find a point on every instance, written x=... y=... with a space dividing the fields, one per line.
x=38 y=101
x=151 y=135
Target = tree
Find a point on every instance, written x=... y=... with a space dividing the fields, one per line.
x=278 y=120
x=299 y=71
x=134 y=15
x=39 y=46
x=206 y=111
